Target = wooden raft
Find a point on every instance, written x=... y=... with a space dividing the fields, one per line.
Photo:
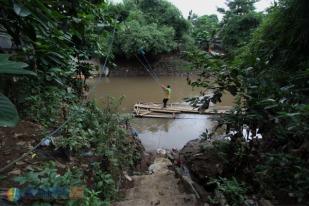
x=155 y=110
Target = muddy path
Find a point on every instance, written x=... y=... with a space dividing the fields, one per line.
x=159 y=187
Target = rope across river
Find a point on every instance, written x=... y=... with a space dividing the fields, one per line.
x=149 y=69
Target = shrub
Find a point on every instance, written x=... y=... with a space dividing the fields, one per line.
x=233 y=191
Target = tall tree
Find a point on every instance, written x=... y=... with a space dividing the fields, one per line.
x=165 y=13
x=157 y=26
x=239 y=20
x=204 y=29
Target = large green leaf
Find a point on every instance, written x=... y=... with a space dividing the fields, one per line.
x=8 y=113
x=11 y=67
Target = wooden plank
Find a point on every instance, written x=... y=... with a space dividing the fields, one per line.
x=156 y=110
x=157 y=116
x=145 y=113
x=180 y=109
x=188 y=107
x=165 y=111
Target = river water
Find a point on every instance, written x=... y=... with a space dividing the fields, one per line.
x=154 y=132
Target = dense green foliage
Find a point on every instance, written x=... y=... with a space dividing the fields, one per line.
x=233 y=191
x=156 y=26
x=204 y=29
x=48 y=177
x=266 y=69
x=269 y=77
x=53 y=39
x=238 y=23
x=152 y=38
x=92 y=133
x=99 y=129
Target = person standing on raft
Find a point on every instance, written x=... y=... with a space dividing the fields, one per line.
x=167 y=90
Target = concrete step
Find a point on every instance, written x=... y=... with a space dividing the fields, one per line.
x=136 y=202
x=160 y=188
x=153 y=180
x=149 y=193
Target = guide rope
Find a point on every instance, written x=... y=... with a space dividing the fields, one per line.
x=149 y=65
x=147 y=68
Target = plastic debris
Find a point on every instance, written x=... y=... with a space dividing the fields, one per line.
x=125 y=174
x=46 y=142
x=161 y=151
x=87 y=154
x=134 y=132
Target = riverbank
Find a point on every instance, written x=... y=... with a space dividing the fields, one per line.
x=165 y=65
x=87 y=154
x=211 y=165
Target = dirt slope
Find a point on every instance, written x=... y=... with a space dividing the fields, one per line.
x=159 y=188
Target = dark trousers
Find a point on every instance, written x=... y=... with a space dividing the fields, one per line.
x=165 y=101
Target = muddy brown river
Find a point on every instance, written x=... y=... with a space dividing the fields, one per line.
x=154 y=132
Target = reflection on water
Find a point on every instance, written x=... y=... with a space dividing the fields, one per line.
x=157 y=133
x=169 y=133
